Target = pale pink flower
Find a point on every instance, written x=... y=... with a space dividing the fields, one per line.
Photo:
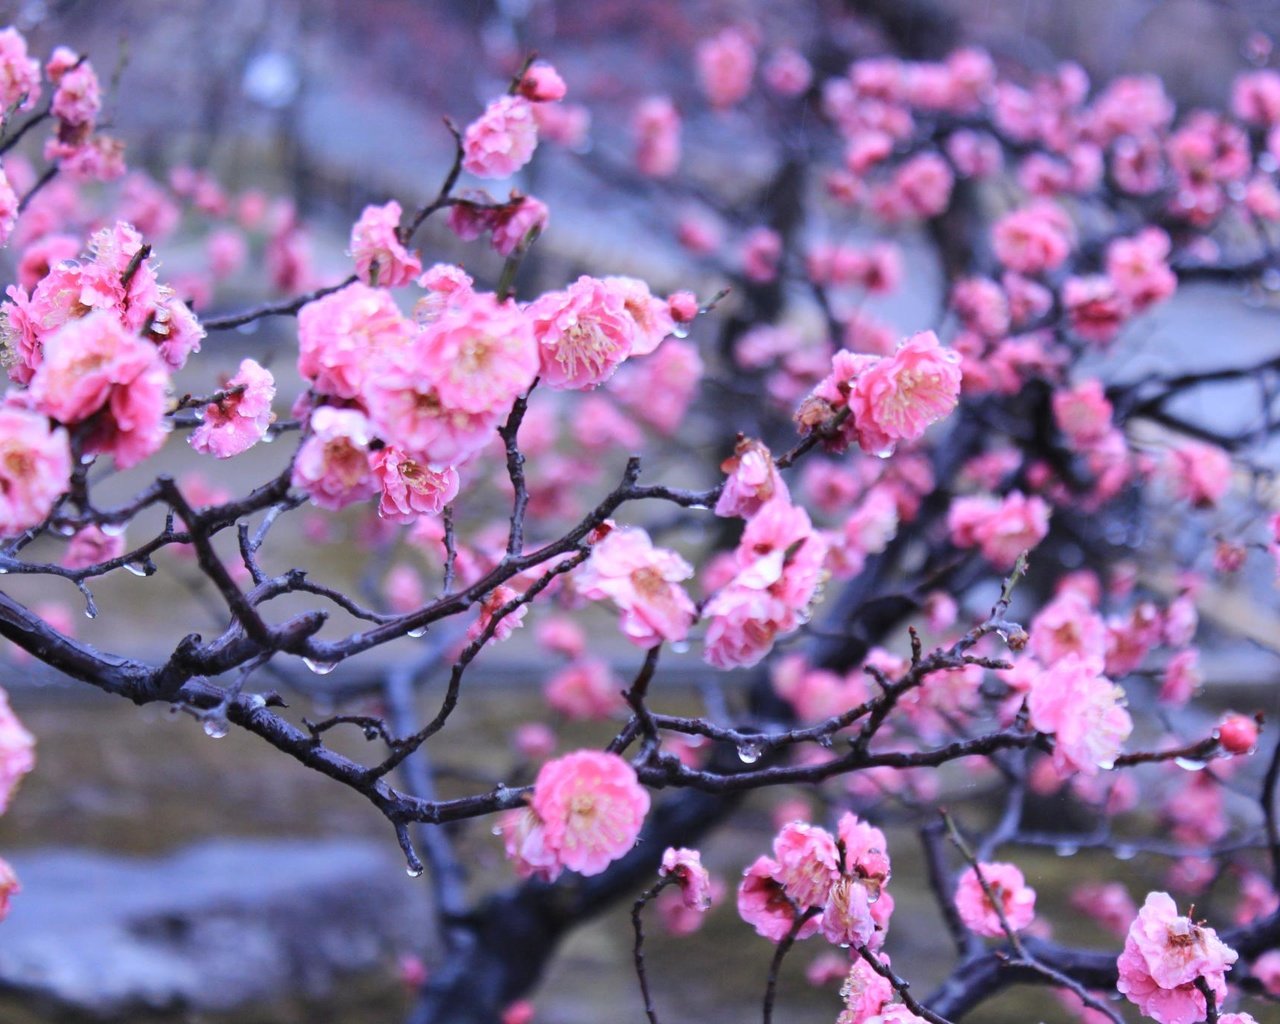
x=922 y=185
x=535 y=741
x=494 y=603
x=1085 y=712
x=1083 y=414
x=865 y=993
x=679 y=920
x=524 y=838
x=332 y=464
x=1002 y=528
x=644 y=583
x=1033 y=239
x=341 y=335
x=752 y=480
x=381 y=260
x=1139 y=268
x=1164 y=954
x=1015 y=899
x=725 y=63
x=764 y=905
x=1108 y=903
x=446 y=284
x=808 y=863
x=562 y=635
x=19 y=74
x=694 y=882
x=1095 y=309
x=92 y=546
x=1130 y=105
x=240 y=420
x=542 y=84
x=592 y=808
x=1200 y=472
x=411 y=488
x=651 y=315
x=847 y=914
x=974 y=154
x=8 y=887
x=1068 y=625
x=35 y=468
x=78 y=99
x=501 y=140
x=761 y=253
x=1181 y=678
x=787 y=72
x=480 y=354
x=982 y=306
x=522 y=1011
x=584 y=333
x=656 y=128
x=9 y=214
x=565 y=124
x=17 y=751
x=585 y=690
x=898 y=398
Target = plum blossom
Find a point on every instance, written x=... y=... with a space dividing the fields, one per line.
x=644 y=583
x=17 y=751
x=585 y=689
x=1017 y=900
x=1002 y=528
x=19 y=73
x=381 y=259
x=501 y=140
x=694 y=882
x=764 y=904
x=1164 y=953
x=35 y=468
x=725 y=63
x=589 y=808
x=240 y=420
x=584 y=333
x=341 y=335
x=656 y=128
x=752 y=482
x=1084 y=710
x=332 y=464
x=411 y=488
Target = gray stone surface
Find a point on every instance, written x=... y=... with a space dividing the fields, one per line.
x=212 y=927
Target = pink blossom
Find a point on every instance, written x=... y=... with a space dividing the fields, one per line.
x=583 y=333
x=974 y=154
x=341 y=335
x=1163 y=956
x=1002 y=528
x=1200 y=472
x=17 y=752
x=982 y=306
x=1108 y=903
x=866 y=994
x=381 y=259
x=513 y=225
x=644 y=583
x=534 y=741
x=1130 y=105
x=480 y=354
x=752 y=480
x=656 y=128
x=542 y=84
x=562 y=635
x=761 y=252
x=501 y=140
x=1095 y=309
x=332 y=464
x=898 y=398
x=585 y=690
x=92 y=546
x=8 y=887
x=682 y=307
x=1083 y=413
x=1017 y=900
x=522 y=1011
x=725 y=64
x=35 y=468
x=764 y=904
x=240 y=420
x=1033 y=239
x=1139 y=268
x=494 y=616
x=524 y=839
x=591 y=807
x=923 y=185
x=1085 y=712
x=411 y=488
x=1068 y=625
x=1181 y=678
x=787 y=72
x=650 y=315
x=694 y=882
x=19 y=74
x=1238 y=734
x=77 y=100
x=808 y=863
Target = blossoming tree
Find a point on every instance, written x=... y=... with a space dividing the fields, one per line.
x=903 y=557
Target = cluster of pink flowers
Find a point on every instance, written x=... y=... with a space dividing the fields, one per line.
x=843 y=877
x=503 y=138
x=1164 y=954
x=773 y=581
x=1001 y=528
x=891 y=399
x=1016 y=900
x=586 y=812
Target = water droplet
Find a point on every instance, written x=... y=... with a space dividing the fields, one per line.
x=87 y=460
x=137 y=568
x=1191 y=764
x=320 y=668
x=680 y=331
x=415 y=633
x=1125 y=852
x=90 y=612
x=64 y=529
x=413 y=872
x=681 y=647
x=256 y=701
x=496 y=830
x=269 y=436
x=215 y=727
x=885 y=453
x=749 y=753
x=1066 y=849
x=113 y=529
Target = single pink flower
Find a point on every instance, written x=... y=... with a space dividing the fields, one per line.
x=726 y=63
x=1016 y=900
x=240 y=420
x=35 y=468
x=1200 y=472
x=1085 y=712
x=542 y=84
x=584 y=333
x=19 y=73
x=753 y=480
x=898 y=398
x=501 y=140
x=764 y=904
x=411 y=488
x=592 y=808
x=644 y=583
x=694 y=882
x=512 y=227
x=497 y=599
x=585 y=690
x=381 y=260
x=656 y=128
x=332 y=464
x=341 y=336
x=808 y=863
x=92 y=546
x=17 y=752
